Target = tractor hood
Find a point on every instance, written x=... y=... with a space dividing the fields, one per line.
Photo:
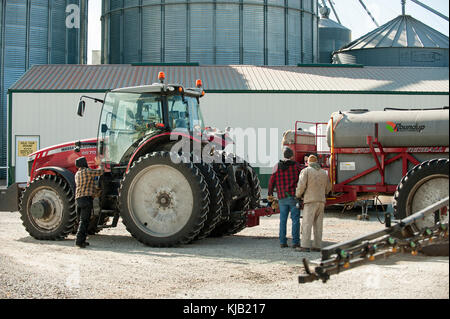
x=64 y=147
x=62 y=156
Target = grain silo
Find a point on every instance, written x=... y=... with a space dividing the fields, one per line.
x=332 y=36
x=37 y=32
x=403 y=41
x=258 y=32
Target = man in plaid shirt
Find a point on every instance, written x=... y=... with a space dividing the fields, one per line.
x=84 y=197
x=284 y=179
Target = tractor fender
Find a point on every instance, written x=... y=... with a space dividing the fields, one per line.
x=67 y=175
x=153 y=139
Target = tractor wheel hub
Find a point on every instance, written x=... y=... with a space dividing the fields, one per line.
x=41 y=209
x=46 y=208
x=164 y=200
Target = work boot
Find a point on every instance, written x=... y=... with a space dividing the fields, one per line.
x=295 y=246
x=83 y=245
x=284 y=245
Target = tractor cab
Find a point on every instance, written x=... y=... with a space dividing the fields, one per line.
x=130 y=116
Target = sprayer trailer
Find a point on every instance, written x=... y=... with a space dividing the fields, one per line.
x=399 y=153
x=165 y=174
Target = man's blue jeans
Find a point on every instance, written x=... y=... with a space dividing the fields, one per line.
x=289 y=205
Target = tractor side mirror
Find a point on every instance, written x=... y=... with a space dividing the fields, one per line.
x=81 y=108
x=104 y=128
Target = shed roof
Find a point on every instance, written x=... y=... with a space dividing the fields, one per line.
x=242 y=78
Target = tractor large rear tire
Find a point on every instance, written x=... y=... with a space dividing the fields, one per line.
x=163 y=203
x=423 y=185
x=47 y=208
x=236 y=220
x=216 y=199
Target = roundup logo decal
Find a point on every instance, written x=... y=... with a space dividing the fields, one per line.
x=392 y=127
x=399 y=127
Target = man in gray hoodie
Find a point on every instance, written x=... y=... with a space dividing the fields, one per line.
x=313 y=185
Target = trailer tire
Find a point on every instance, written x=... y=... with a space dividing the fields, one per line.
x=52 y=198
x=423 y=185
x=155 y=203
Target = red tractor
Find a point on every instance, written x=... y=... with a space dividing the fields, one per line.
x=165 y=175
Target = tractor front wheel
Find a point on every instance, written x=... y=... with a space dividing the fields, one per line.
x=47 y=208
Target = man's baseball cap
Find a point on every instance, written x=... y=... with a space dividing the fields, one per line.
x=81 y=162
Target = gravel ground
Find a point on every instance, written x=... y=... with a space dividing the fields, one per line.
x=247 y=265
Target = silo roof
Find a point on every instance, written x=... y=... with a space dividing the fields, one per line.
x=328 y=23
x=403 y=31
x=239 y=78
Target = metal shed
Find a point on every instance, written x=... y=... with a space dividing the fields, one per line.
x=43 y=102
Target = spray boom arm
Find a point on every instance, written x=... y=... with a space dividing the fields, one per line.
x=381 y=244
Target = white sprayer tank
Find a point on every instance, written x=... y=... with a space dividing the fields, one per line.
x=396 y=128
x=421 y=129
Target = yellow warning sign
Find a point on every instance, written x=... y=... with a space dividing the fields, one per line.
x=26 y=148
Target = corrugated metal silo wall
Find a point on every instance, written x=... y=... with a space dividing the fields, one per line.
x=428 y=57
x=33 y=32
x=258 y=32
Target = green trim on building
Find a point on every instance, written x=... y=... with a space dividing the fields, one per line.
x=263 y=178
x=330 y=65
x=11 y=170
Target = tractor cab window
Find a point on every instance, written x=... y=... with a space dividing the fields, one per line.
x=127 y=117
x=184 y=114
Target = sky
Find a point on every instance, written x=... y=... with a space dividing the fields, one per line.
x=350 y=12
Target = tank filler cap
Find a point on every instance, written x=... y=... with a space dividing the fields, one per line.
x=358 y=111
